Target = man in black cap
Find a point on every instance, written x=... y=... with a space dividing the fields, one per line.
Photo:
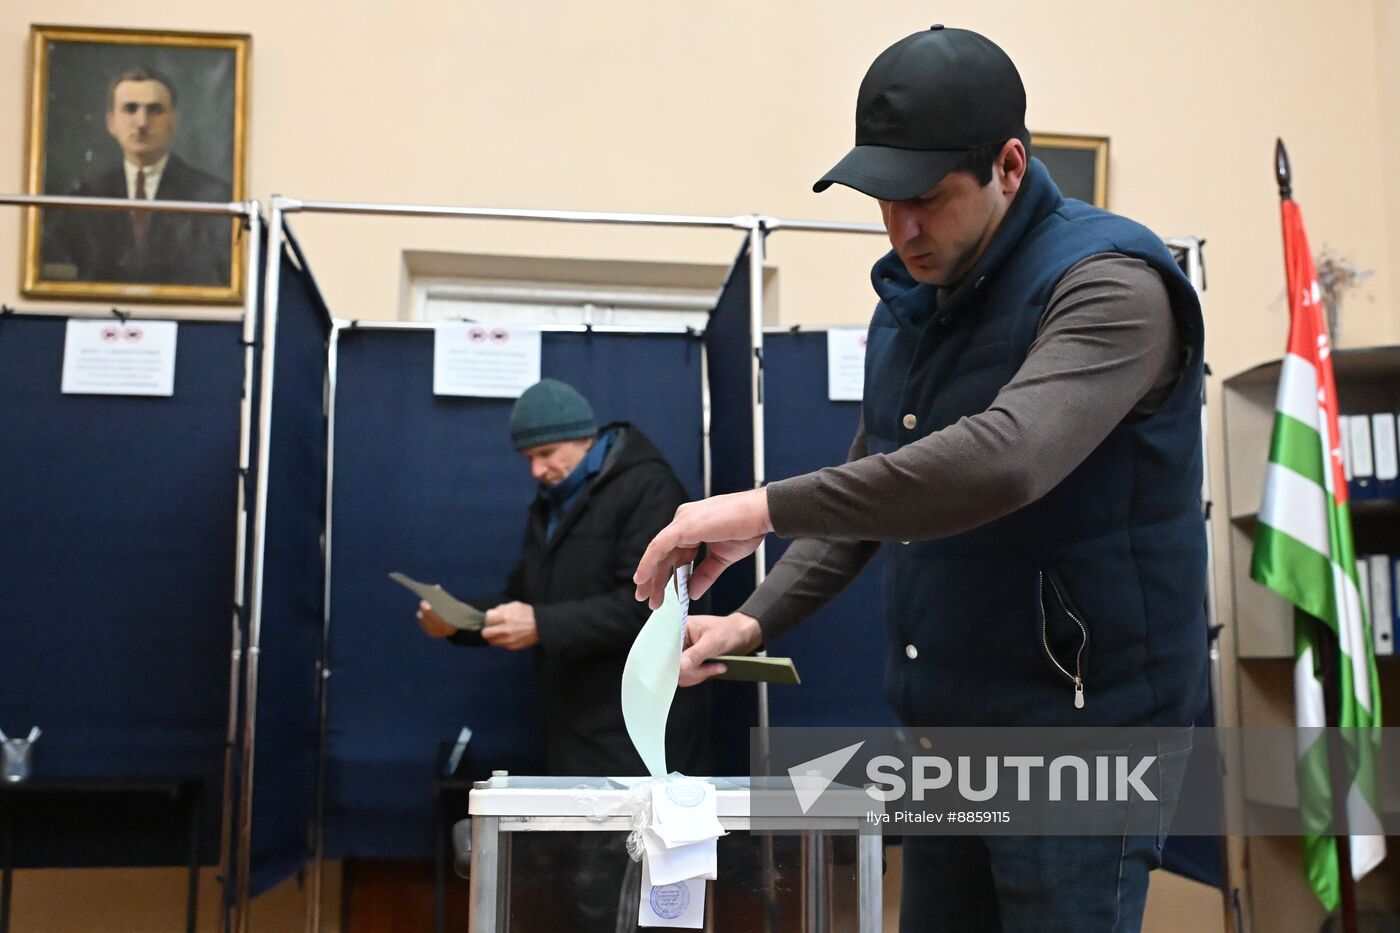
x=602 y=495
x=1030 y=450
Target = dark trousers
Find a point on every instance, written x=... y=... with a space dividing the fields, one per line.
x=1019 y=884
x=1044 y=884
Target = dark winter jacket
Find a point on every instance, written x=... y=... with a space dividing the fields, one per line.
x=579 y=582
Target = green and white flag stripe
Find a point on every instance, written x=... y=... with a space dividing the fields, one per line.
x=1303 y=551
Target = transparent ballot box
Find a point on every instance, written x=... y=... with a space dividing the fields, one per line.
x=550 y=854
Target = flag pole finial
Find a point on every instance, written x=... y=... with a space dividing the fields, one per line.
x=1283 y=171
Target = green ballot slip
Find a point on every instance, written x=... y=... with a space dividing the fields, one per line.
x=454 y=612
x=757 y=670
x=649 y=680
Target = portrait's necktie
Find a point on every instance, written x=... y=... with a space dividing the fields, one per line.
x=140 y=220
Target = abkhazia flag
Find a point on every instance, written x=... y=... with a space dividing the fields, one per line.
x=1303 y=551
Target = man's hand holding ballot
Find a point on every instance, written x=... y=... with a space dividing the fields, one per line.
x=711 y=637
x=510 y=625
x=731 y=526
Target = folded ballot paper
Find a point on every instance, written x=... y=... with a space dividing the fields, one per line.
x=453 y=611
x=679 y=837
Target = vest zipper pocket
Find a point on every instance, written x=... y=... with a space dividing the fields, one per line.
x=1077 y=677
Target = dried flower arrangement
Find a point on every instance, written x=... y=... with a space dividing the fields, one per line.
x=1336 y=275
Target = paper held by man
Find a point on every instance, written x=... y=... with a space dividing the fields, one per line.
x=678 y=853
x=454 y=612
x=678 y=850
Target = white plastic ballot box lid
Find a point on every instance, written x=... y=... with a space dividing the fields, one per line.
x=510 y=795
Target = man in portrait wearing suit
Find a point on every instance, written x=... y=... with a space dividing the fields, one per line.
x=141 y=246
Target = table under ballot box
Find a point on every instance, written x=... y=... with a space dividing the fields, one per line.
x=549 y=853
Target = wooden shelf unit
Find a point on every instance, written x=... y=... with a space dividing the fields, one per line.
x=1277 y=896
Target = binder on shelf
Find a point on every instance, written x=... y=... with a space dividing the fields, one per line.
x=1382 y=613
x=1394 y=599
x=1363 y=584
x=1387 y=461
x=1363 y=471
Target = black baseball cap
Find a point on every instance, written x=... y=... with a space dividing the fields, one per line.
x=923 y=104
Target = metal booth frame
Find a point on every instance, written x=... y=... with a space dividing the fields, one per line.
x=748 y=225
x=252 y=226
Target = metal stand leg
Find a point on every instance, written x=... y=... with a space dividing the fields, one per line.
x=192 y=891
x=440 y=834
x=816 y=918
x=485 y=885
x=7 y=868
x=870 y=882
x=503 y=846
x=770 y=887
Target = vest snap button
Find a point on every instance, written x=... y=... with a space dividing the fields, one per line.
x=911 y=652
x=910 y=421
x=904 y=542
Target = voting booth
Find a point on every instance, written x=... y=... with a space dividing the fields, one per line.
x=129 y=491
x=381 y=737
x=386 y=744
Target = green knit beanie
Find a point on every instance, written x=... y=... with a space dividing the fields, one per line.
x=550 y=411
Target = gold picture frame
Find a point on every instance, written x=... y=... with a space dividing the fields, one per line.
x=102 y=103
x=1079 y=164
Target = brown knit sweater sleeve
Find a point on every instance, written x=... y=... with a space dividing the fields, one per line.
x=1107 y=348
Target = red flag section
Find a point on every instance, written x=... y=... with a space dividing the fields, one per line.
x=1307 y=332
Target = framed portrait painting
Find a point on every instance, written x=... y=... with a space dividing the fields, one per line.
x=1079 y=164
x=136 y=115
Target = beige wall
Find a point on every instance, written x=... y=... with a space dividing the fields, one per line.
x=734 y=107
x=1388 y=121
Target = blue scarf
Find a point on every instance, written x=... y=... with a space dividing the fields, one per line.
x=562 y=496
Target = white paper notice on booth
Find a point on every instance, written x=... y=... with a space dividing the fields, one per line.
x=114 y=357
x=485 y=360
x=845 y=364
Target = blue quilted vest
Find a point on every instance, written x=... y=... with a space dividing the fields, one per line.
x=1085 y=607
